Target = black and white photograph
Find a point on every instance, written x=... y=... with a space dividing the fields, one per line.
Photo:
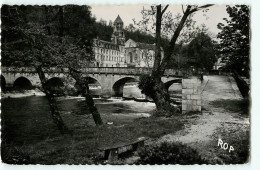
x=129 y=84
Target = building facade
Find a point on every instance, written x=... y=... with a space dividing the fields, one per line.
x=119 y=53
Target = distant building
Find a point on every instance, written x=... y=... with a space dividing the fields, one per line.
x=119 y=53
x=140 y=54
x=108 y=54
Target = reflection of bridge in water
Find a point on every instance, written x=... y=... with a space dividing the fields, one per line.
x=110 y=79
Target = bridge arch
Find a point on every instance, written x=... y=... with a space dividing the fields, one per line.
x=94 y=86
x=3 y=83
x=169 y=83
x=22 y=83
x=118 y=86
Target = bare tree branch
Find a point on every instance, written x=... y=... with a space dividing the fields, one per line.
x=200 y=8
x=182 y=9
x=165 y=8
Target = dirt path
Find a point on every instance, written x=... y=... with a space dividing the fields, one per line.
x=201 y=132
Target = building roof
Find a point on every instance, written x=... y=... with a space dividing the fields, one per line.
x=118 y=20
x=145 y=46
x=106 y=44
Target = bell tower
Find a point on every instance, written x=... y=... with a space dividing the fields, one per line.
x=118 y=36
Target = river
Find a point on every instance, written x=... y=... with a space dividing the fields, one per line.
x=37 y=104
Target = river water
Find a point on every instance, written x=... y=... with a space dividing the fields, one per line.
x=24 y=103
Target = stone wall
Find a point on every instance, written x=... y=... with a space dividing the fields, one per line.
x=191 y=94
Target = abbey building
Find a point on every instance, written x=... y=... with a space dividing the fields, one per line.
x=121 y=53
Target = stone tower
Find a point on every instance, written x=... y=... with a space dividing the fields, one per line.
x=118 y=36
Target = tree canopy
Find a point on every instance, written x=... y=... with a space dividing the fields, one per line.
x=46 y=37
x=202 y=49
x=234 y=39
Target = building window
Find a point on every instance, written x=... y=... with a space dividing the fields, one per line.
x=131 y=57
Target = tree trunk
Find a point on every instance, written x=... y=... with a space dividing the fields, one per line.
x=174 y=38
x=92 y=108
x=161 y=96
x=84 y=90
x=162 y=99
x=57 y=119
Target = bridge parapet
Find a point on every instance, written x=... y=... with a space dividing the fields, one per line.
x=99 y=70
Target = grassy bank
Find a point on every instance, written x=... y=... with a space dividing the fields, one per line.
x=35 y=138
x=240 y=107
x=233 y=133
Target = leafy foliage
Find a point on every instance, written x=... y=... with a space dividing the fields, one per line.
x=169 y=24
x=146 y=85
x=104 y=32
x=14 y=155
x=202 y=48
x=48 y=38
x=169 y=153
x=46 y=35
x=234 y=39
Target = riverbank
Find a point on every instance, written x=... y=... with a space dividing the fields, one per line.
x=21 y=93
x=36 y=139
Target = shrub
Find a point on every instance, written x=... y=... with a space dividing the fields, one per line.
x=145 y=84
x=169 y=153
x=14 y=155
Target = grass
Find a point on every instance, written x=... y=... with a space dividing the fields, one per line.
x=241 y=107
x=170 y=153
x=235 y=134
x=239 y=139
x=39 y=142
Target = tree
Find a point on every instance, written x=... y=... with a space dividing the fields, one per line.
x=44 y=38
x=130 y=28
x=202 y=48
x=234 y=39
x=23 y=44
x=147 y=57
x=77 y=50
x=173 y=27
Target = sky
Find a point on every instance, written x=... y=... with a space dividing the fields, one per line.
x=214 y=15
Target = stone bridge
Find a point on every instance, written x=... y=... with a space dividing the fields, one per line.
x=111 y=80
